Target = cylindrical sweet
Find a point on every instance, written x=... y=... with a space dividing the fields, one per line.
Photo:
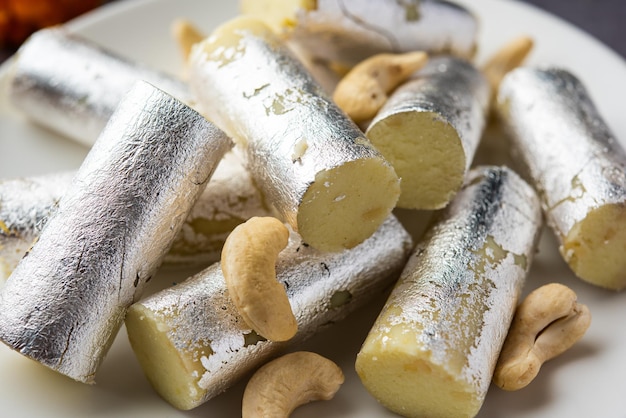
x=230 y=198
x=429 y=130
x=72 y=86
x=311 y=161
x=576 y=164
x=348 y=31
x=193 y=344
x=25 y=205
x=433 y=348
x=66 y=300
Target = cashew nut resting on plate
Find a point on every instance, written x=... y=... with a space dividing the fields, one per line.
x=546 y=323
x=363 y=91
x=287 y=382
x=249 y=267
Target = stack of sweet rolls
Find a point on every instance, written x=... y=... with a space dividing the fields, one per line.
x=338 y=186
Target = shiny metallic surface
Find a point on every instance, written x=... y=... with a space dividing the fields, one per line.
x=249 y=83
x=230 y=198
x=66 y=300
x=25 y=205
x=571 y=155
x=348 y=31
x=453 y=89
x=322 y=288
x=72 y=86
x=455 y=299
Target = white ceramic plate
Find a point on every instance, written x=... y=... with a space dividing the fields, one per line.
x=587 y=381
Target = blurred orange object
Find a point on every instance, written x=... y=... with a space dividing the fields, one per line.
x=20 y=18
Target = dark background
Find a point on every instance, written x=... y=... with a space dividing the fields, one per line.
x=603 y=19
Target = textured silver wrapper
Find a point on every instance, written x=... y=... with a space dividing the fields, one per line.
x=322 y=288
x=25 y=206
x=264 y=98
x=567 y=149
x=452 y=88
x=321 y=70
x=462 y=283
x=72 y=86
x=66 y=300
x=348 y=31
x=230 y=198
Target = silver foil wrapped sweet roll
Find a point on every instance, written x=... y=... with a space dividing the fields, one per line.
x=25 y=205
x=429 y=130
x=66 y=300
x=72 y=86
x=312 y=162
x=230 y=198
x=348 y=31
x=193 y=344
x=576 y=164
x=433 y=349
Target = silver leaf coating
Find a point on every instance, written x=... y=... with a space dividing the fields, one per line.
x=458 y=292
x=251 y=85
x=348 y=31
x=66 y=300
x=451 y=88
x=450 y=99
x=322 y=288
x=72 y=86
x=575 y=162
x=230 y=198
x=25 y=205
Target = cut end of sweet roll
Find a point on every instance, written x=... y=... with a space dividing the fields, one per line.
x=403 y=378
x=174 y=376
x=426 y=153
x=594 y=248
x=345 y=205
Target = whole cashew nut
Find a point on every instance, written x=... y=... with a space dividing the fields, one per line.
x=507 y=58
x=186 y=35
x=547 y=323
x=249 y=267
x=280 y=386
x=364 y=89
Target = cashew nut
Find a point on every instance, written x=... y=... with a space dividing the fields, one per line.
x=507 y=58
x=249 y=267
x=186 y=34
x=546 y=323
x=280 y=386
x=364 y=89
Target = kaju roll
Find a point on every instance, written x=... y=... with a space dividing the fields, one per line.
x=25 y=205
x=66 y=300
x=79 y=107
x=433 y=349
x=311 y=161
x=230 y=198
x=193 y=344
x=72 y=86
x=348 y=31
x=429 y=130
x=576 y=164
